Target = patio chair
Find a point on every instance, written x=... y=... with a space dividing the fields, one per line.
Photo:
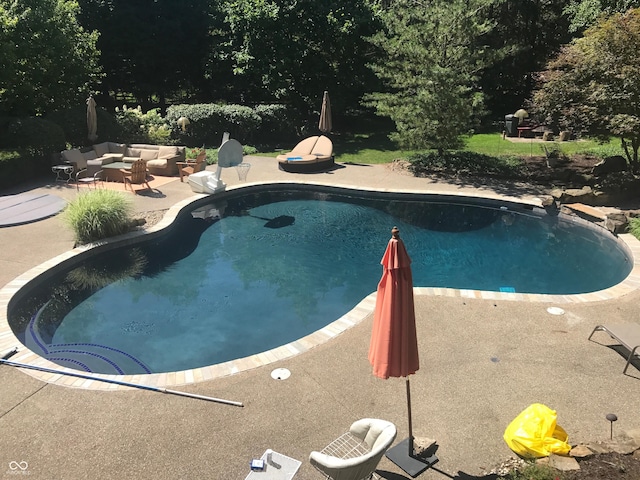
x=82 y=177
x=627 y=335
x=355 y=454
x=189 y=168
x=137 y=175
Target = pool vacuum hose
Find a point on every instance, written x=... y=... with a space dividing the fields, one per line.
x=4 y=360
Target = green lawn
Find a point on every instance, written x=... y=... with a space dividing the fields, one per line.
x=374 y=148
x=493 y=144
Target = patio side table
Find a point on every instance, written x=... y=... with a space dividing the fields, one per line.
x=280 y=467
x=61 y=171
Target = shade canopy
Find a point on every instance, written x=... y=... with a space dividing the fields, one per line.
x=393 y=351
x=325 y=114
x=92 y=120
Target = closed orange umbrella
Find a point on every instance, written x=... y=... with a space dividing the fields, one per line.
x=393 y=351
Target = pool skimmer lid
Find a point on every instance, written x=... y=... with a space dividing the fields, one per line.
x=280 y=374
x=555 y=311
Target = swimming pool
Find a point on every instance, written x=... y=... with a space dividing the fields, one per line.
x=255 y=269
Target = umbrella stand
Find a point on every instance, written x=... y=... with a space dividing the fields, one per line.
x=403 y=454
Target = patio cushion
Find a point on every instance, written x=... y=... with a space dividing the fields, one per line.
x=133 y=152
x=292 y=157
x=323 y=147
x=148 y=154
x=101 y=149
x=167 y=151
x=305 y=146
x=117 y=147
x=75 y=156
x=90 y=155
x=157 y=163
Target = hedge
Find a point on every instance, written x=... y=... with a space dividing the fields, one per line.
x=263 y=124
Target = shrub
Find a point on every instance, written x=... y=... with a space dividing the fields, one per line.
x=37 y=140
x=249 y=150
x=138 y=127
x=36 y=135
x=98 y=214
x=15 y=167
x=264 y=124
x=277 y=124
x=465 y=163
x=634 y=227
x=208 y=122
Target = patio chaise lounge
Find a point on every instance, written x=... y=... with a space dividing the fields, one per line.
x=628 y=335
x=312 y=154
x=355 y=455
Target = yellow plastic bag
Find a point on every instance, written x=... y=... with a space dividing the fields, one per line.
x=534 y=433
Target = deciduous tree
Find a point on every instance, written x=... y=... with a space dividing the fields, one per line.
x=151 y=48
x=47 y=60
x=592 y=86
x=584 y=13
x=292 y=50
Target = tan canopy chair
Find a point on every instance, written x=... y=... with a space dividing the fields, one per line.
x=312 y=154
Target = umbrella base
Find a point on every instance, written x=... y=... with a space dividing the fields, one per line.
x=412 y=465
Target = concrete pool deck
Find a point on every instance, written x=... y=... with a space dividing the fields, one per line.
x=484 y=358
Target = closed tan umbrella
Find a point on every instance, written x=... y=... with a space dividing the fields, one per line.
x=92 y=120
x=325 y=114
x=393 y=351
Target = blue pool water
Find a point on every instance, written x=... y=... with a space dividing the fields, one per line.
x=255 y=271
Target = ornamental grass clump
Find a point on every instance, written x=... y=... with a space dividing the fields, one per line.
x=634 y=227
x=97 y=215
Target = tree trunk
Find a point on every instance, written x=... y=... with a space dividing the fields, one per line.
x=625 y=147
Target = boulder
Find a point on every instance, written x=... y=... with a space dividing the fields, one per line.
x=547 y=200
x=578 y=195
x=564 y=464
x=581 y=451
x=615 y=163
x=616 y=223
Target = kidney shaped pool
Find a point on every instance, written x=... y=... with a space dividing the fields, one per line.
x=251 y=270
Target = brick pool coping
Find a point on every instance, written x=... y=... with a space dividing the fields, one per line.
x=359 y=313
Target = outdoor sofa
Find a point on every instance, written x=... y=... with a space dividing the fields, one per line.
x=160 y=159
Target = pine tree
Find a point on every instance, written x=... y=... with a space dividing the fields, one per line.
x=433 y=54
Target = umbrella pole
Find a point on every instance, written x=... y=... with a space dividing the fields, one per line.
x=409 y=415
x=403 y=455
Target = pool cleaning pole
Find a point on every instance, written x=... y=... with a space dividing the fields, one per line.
x=4 y=361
